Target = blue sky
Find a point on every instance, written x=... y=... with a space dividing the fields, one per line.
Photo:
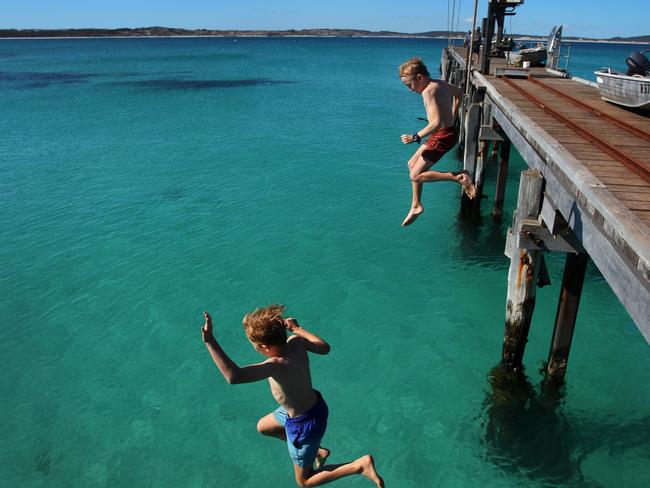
x=589 y=18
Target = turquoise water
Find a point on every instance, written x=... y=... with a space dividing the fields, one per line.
x=586 y=57
x=144 y=181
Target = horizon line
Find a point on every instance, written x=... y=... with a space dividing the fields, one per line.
x=452 y=33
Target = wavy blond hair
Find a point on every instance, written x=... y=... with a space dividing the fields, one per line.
x=266 y=326
x=412 y=67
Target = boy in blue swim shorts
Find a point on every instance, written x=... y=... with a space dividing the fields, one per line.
x=301 y=419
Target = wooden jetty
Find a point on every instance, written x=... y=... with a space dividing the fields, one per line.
x=586 y=192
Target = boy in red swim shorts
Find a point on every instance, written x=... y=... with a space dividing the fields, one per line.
x=441 y=102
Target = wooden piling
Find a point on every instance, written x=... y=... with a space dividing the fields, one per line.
x=575 y=269
x=486 y=122
x=502 y=175
x=478 y=178
x=522 y=275
x=485 y=145
x=472 y=127
x=495 y=149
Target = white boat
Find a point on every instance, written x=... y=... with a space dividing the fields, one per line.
x=536 y=56
x=631 y=89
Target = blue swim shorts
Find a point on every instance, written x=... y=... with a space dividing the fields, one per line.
x=304 y=432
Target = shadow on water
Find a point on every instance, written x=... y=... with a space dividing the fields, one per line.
x=32 y=79
x=527 y=434
x=196 y=84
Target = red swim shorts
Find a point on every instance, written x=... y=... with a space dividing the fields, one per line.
x=438 y=143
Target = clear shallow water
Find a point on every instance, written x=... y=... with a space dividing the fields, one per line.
x=144 y=181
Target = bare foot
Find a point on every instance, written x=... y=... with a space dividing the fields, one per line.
x=321 y=457
x=413 y=214
x=466 y=182
x=368 y=470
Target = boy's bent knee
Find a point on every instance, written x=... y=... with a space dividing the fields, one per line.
x=263 y=427
x=303 y=475
x=301 y=480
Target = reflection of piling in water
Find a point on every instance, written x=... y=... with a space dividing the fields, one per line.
x=524 y=432
x=528 y=435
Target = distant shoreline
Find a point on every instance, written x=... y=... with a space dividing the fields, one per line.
x=307 y=36
x=159 y=32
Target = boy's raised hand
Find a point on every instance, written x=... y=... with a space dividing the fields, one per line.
x=291 y=324
x=206 y=330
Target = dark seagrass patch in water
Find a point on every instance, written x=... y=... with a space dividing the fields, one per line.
x=198 y=84
x=38 y=79
x=173 y=194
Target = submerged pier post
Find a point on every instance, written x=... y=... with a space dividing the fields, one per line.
x=472 y=127
x=495 y=149
x=486 y=137
x=575 y=269
x=485 y=145
x=502 y=175
x=522 y=275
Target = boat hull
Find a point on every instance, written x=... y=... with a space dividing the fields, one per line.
x=536 y=56
x=629 y=91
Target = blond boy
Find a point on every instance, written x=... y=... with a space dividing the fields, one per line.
x=301 y=418
x=441 y=103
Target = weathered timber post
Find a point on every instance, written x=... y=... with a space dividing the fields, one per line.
x=485 y=136
x=462 y=74
x=468 y=64
x=575 y=268
x=462 y=117
x=495 y=149
x=483 y=150
x=522 y=275
x=445 y=64
x=453 y=78
x=502 y=175
x=472 y=127
x=478 y=177
x=486 y=122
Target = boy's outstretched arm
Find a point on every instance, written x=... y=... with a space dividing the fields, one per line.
x=313 y=343
x=233 y=373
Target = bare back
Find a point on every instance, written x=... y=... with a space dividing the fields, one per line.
x=291 y=384
x=440 y=101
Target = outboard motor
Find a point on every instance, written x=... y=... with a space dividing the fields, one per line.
x=637 y=64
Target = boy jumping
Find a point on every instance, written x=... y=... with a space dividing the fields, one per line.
x=301 y=419
x=441 y=102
